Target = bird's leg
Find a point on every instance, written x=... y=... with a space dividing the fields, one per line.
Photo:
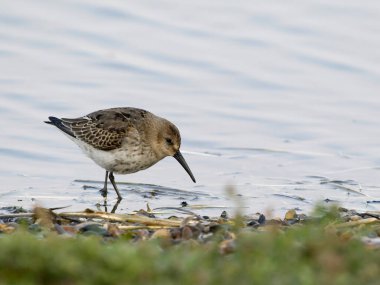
x=112 y=179
x=104 y=189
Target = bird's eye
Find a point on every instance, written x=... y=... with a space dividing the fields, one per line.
x=169 y=141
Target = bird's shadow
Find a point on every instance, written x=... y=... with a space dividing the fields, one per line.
x=151 y=191
x=145 y=190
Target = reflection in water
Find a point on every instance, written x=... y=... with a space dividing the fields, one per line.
x=114 y=207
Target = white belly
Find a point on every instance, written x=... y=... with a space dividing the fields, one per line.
x=122 y=161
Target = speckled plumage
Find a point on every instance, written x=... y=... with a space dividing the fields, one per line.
x=123 y=140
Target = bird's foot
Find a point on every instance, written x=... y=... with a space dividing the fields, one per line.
x=103 y=191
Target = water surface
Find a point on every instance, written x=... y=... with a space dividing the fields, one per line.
x=279 y=100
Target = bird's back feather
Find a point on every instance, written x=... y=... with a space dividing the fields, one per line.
x=104 y=129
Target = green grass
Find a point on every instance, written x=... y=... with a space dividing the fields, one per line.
x=307 y=254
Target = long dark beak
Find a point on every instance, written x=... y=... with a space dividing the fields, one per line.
x=178 y=156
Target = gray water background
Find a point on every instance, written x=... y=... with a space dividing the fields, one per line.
x=279 y=99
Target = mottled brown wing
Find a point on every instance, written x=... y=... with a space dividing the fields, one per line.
x=104 y=129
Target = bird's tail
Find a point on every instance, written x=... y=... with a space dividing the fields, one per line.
x=60 y=125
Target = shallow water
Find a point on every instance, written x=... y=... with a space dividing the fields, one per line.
x=278 y=100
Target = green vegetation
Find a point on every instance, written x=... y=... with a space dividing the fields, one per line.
x=313 y=253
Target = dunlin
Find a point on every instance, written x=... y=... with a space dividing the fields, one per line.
x=123 y=140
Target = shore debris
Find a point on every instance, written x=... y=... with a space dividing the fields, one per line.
x=144 y=225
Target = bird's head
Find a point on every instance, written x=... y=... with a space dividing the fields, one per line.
x=168 y=143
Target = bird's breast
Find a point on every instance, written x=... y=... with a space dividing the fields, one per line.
x=130 y=161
